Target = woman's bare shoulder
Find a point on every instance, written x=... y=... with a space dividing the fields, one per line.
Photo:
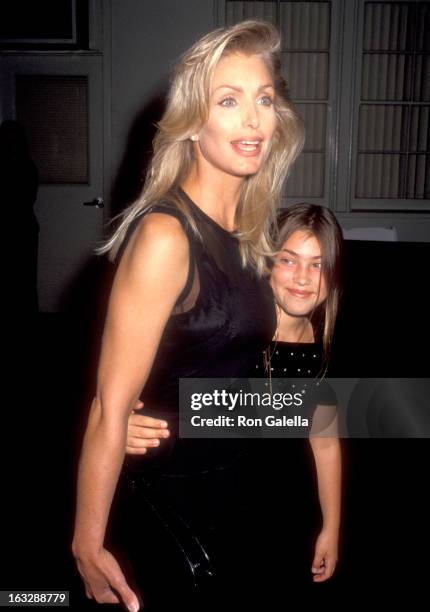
x=158 y=233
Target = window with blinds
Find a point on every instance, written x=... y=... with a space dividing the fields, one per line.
x=359 y=73
x=305 y=31
x=392 y=152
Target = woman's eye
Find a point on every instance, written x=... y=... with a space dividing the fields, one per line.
x=286 y=261
x=317 y=265
x=228 y=102
x=266 y=100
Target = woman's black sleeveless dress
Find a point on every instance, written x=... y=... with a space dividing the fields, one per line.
x=222 y=321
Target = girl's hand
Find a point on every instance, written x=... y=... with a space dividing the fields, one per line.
x=325 y=557
x=144 y=432
x=104 y=580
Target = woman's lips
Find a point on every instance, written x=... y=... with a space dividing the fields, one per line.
x=300 y=294
x=248 y=149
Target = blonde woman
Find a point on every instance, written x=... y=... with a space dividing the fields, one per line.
x=190 y=296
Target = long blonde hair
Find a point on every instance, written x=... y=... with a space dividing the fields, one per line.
x=188 y=109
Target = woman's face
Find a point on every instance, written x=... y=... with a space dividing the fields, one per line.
x=296 y=275
x=237 y=135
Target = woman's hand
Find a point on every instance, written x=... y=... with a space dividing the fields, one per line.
x=144 y=432
x=325 y=557
x=104 y=580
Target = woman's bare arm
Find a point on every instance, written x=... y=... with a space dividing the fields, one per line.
x=149 y=279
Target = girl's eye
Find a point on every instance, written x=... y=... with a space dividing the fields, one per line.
x=266 y=100
x=286 y=261
x=317 y=265
x=228 y=102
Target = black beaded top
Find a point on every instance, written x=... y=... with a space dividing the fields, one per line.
x=297 y=367
x=292 y=360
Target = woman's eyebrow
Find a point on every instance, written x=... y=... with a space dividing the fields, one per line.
x=297 y=255
x=267 y=85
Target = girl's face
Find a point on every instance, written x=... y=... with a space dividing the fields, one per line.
x=296 y=279
x=237 y=135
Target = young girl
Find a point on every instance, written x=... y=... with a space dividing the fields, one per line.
x=305 y=279
x=189 y=297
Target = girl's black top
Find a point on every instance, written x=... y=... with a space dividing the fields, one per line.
x=290 y=461
x=222 y=321
x=298 y=367
x=293 y=359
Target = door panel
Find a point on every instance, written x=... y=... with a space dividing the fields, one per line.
x=58 y=98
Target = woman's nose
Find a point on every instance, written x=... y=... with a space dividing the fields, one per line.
x=250 y=117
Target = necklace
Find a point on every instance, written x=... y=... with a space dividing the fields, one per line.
x=267 y=354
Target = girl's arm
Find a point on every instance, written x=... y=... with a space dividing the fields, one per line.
x=327 y=454
x=149 y=279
